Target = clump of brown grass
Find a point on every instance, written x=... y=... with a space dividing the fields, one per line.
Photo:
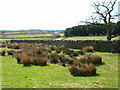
x=83 y=70
x=26 y=60
x=91 y=58
x=54 y=58
x=81 y=52
x=2 y=52
x=42 y=61
x=18 y=57
x=10 y=52
x=88 y=49
x=3 y=45
x=68 y=51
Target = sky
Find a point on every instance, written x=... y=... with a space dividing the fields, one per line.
x=43 y=14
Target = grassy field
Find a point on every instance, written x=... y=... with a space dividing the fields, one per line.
x=29 y=37
x=51 y=37
x=90 y=38
x=55 y=76
x=35 y=35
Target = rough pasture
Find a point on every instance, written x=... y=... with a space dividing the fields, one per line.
x=55 y=75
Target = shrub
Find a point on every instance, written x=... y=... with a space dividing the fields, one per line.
x=52 y=47
x=58 y=49
x=29 y=53
x=73 y=54
x=81 y=52
x=18 y=57
x=76 y=62
x=88 y=49
x=9 y=46
x=2 y=45
x=54 y=58
x=41 y=52
x=16 y=46
x=63 y=48
x=60 y=58
x=10 y=52
x=42 y=61
x=2 y=52
x=68 y=51
x=65 y=59
x=91 y=58
x=83 y=70
x=26 y=60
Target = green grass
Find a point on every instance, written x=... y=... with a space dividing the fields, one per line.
x=28 y=37
x=35 y=35
x=90 y=38
x=51 y=37
x=54 y=76
x=12 y=32
x=5 y=40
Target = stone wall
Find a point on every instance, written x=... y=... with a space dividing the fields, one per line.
x=99 y=45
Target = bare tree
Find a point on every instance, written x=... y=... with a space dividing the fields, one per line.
x=104 y=10
x=92 y=20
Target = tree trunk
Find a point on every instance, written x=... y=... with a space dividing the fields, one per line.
x=109 y=37
x=109 y=31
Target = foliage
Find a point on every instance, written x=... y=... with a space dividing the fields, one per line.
x=91 y=30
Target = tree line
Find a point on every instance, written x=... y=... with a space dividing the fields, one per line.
x=92 y=30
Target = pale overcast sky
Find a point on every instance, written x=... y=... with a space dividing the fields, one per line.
x=43 y=14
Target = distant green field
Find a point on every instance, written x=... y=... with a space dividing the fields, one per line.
x=28 y=37
x=12 y=32
x=51 y=37
x=35 y=35
x=90 y=38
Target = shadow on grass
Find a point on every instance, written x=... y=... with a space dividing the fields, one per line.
x=101 y=64
x=96 y=75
